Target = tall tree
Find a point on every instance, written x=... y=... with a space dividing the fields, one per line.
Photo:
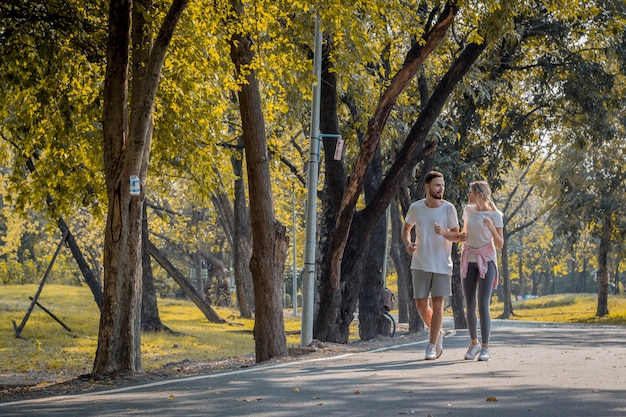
x=269 y=236
x=337 y=309
x=127 y=140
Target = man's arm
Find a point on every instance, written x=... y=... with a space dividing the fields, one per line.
x=407 y=240
x=450 y=234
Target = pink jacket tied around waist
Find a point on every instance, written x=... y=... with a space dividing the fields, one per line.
x=481 y=259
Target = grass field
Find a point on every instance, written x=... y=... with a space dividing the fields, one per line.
x=45 y=346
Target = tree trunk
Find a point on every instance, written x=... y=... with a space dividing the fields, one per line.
x=198 y=281
x=269 y=238
x=118 y=339
x=150 y=319
x=616 y=273
x=126 y=153
x=410 y=191
x=457 y=300
x=235 y=221
x=536 y=281
x=603 y=267
x=504 y=278
x=582 y=277
x=371 y=311
x=401 y=262
x=242 y=236
x=520 y=269
x=88 y=275
x=187 y=287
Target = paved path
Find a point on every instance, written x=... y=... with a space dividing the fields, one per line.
x=535 y=370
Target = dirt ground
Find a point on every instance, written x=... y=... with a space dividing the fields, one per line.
x=34 y=385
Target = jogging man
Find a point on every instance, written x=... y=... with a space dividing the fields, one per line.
x=436 y=227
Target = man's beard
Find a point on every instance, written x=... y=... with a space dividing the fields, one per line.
x=436 y=196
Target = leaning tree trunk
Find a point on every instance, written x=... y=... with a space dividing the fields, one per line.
x=269 y=237
x=188 y=288
x=88 y=275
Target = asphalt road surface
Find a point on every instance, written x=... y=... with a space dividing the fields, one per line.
x=535 y=370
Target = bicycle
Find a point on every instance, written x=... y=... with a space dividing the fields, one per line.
x=388 y=299
x=387 y=305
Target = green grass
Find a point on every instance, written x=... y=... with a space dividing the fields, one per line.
x=566 y=308
x=45 y=346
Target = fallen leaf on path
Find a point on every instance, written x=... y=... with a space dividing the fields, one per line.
x=248 y=400
x=491 y=399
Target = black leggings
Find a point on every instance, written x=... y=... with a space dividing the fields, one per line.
x=470 y=284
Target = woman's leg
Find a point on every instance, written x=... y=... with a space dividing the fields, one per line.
x=485 y=286
x=469 y=291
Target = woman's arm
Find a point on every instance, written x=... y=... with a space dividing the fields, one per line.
x=496 y=233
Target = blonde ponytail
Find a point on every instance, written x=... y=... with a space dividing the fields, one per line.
x=482 y=188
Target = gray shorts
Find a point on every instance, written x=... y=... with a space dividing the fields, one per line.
x=430 y=283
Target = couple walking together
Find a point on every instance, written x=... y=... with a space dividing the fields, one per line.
x=436 y=228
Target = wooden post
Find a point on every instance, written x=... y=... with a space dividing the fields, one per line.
x=58 y=320
x=18 y=329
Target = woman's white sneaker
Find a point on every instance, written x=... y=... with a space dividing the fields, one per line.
x=484 y=355
x=472 y=351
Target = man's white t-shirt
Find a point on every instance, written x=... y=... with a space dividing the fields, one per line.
x=433 y=251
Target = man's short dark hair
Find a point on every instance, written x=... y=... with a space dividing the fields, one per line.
x=432 y=175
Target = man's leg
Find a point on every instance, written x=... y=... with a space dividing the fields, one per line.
x=424 y=309
x=421 y=291
x=426 y=313
x=436 y=321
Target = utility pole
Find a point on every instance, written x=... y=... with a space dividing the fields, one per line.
x=308 y=278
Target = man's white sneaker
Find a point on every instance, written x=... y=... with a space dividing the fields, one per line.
x=472 y=352
x=431 y=352
x=484 y=355
x=439 y=345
